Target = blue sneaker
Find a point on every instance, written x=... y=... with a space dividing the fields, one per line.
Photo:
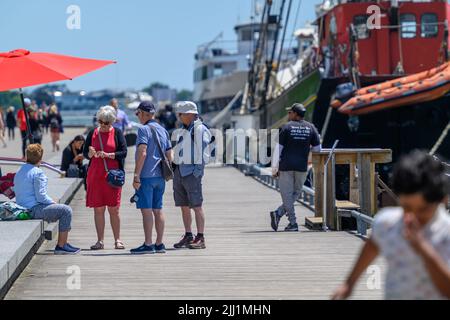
x=66 y=250
x=72 y=247
x=144 y=249
x=160 y=248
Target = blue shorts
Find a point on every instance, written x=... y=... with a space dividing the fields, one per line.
x=151 y=193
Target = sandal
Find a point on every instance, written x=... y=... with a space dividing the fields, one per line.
x=119 y=245
x=98 y=246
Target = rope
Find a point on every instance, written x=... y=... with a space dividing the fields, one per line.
x=440 y=140
x=295 y=27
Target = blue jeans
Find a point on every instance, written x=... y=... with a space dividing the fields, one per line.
x=151 y=193
x=53 y=213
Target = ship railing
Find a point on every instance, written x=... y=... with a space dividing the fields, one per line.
x=363 y=222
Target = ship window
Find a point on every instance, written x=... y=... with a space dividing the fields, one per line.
x=218 y=70
x=430 y=28
x=246 y=35
x=201 y=74
x=408 y=26
x=362 y=31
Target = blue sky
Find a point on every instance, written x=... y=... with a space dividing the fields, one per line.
x=152 y=40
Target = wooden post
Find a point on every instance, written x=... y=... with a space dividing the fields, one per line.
x=366 y=184
x=354 y=190
x=318 y=186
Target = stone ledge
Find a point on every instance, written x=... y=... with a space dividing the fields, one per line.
x=20 y=240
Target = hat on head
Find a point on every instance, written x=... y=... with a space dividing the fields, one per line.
x=147 y=106
x=299 y=109
x=186 y=107
x=27 y=101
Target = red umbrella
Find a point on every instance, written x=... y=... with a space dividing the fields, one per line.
x=22 y=68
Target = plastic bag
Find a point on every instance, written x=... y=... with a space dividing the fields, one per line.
x=11 y=211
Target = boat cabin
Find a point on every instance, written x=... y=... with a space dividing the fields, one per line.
x=383 y=39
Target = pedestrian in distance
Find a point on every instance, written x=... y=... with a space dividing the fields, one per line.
x=11 y=123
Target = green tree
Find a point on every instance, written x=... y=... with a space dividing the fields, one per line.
x=155 y=85
x=10 y=98
x=184 y=95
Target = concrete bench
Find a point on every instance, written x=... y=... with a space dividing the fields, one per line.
x=20 y=240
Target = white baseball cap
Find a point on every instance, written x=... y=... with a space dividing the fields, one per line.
x=186 y=107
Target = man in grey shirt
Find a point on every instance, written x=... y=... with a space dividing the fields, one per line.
x=191 y=156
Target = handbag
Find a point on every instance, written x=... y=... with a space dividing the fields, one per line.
x=166 y=167
x=115 y=177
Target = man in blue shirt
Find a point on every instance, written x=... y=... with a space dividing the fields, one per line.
x=191 y=155
x=30 y=186
x=148 y=179
x=122 y=121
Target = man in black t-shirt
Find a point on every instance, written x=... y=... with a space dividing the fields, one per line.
x=290 y=162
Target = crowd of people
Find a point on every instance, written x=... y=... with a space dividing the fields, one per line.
x=105 y=149
x=413 y=237
x=41 y=120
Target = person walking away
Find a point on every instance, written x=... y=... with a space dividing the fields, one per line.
x=290 y=163
x=72 y=159
x=2 y=127
x=11 y=123
x=35 y=125
x=45 y=123
x=148 y=180
x=100 y=196
x=168 y=119
x=30 y=186
x=413 y=238
x=55 y=122
x=22 y=124
x=122 y=122
x=187 y=183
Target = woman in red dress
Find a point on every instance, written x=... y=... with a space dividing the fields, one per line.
x=100 y=195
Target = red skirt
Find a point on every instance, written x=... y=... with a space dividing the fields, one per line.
x=99 y=192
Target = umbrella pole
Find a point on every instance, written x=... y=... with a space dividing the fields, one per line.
x=27 y=120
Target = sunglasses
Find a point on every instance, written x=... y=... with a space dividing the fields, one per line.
x=104 y=123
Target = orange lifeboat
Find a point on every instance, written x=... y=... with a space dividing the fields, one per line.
x=422 y=87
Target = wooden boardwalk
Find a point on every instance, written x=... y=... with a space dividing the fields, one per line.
x=243 y=259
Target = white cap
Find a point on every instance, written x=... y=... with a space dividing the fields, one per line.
x=27 y=101
x=186 y=107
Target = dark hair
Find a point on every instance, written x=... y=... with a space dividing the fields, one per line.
x=78 y=138
x=419 y=172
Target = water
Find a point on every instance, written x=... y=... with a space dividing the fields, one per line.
x=84 y=118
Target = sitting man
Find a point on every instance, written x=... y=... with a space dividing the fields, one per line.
x=30 y=186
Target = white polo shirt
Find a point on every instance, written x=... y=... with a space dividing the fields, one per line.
x=407 y=277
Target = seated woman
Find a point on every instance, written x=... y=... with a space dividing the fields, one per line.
x=73 y=155
x=30 y=186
